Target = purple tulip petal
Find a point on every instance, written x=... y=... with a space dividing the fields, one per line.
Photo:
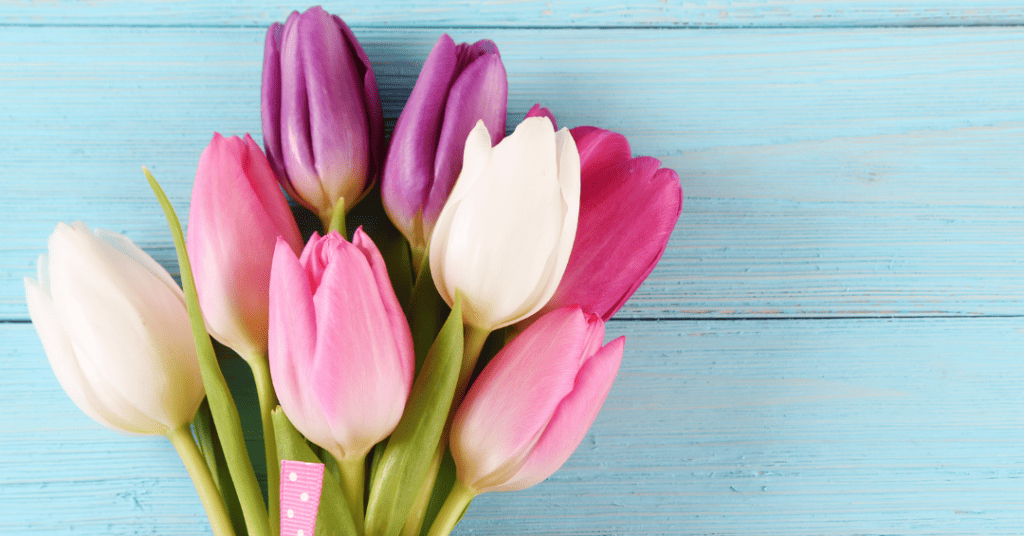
x=410 y=160
x=372 y=103
x=540 y=111
x=270 y=99
x=479 y=93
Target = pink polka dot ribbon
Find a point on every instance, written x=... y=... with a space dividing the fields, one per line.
x=301 y=483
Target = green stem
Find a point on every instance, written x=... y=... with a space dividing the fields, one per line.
x=353 y=480
x=268 y=401
x=222 y=405
x=451 y=513
x=335 y=221
x=474 y=342
x=417 y=260
x=220 y=521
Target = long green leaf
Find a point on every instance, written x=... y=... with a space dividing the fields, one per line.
x=407 y=458
x=222 y=406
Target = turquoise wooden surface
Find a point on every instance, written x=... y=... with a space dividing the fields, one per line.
x=831 y=345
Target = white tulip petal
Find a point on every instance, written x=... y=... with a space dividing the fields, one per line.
x=130 y=331
x=61 y=355
x=125 y=245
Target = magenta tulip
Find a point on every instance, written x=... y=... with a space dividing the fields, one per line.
x=238 y=212
x=341 y=354
x=534 y=402
x=628 y=208
x=322 y=120
x=459 y=85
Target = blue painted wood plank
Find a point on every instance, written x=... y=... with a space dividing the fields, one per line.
x=826 y=172
x=759 y=427
x=529 y=13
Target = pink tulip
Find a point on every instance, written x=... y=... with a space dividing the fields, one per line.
x=628 y=208
x=238 y=212
x=341 y=354
x=534 y=402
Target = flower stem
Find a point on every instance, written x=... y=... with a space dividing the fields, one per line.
x=268 y=401
x=335 y=221
x=353 y=479
x=474 y=342
x=414 y=523
x=451 y=513
x=220 y=521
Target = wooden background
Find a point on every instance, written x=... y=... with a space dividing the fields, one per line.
x=832 y=343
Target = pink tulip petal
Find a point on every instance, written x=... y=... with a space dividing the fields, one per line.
x=511 y=402
x=572 y=419
x=292 y=342
x=539 y=111
x=599 y=149
x=353 y=376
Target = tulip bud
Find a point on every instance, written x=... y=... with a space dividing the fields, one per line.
x=504 y=236
x=237 y=214
x=628 y=208
x=534 y=402
x=458 y=86
x=341 y=354
x=322 y=120
x=116 y=332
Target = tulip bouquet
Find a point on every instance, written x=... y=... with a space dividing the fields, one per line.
x=452 y=345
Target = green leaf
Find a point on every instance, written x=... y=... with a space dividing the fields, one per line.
x=426 y=308
x=333 y=517
x=407 y=459
x=222 y=406
x=206 y=436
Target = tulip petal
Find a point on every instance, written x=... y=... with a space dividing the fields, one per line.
x=410 y=160
x=292 y=343
x=302 y=182
x=627 y=214
x=509 y=405
x=129 y=330
x=599 y=149
x=353 y=376
x=479 y=94
x=337 y=122
x=270 y=100
x=572 y=419
x=539 y=111
x=61 y=355
x=519 y=205
x=398 y=325
x=374 y=110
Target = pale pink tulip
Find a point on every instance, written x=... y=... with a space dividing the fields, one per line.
x=238 y=212
x=628 y=208
x=534 y=402
x=341 y=354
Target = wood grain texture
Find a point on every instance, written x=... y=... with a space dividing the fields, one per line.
x=826 y=172
x=529 y=13
x=766 y=427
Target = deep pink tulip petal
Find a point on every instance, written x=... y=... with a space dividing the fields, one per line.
x=627 y=213
x=292 y=342
x=270 y=99
x=355 y=371
x=408 y=171
x=264 y=185
x=540 y=111
x=599 y=149
x=510 y=403
x=479 y=93
x=572 y=419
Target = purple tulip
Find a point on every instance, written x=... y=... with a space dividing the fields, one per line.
x=341 y=354
x=322 y=119
x=459 y=85
x=628 y=208
x=534 y=402
x=237 y=214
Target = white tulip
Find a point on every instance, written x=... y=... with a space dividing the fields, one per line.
x=505 y=234
x=116 y=331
